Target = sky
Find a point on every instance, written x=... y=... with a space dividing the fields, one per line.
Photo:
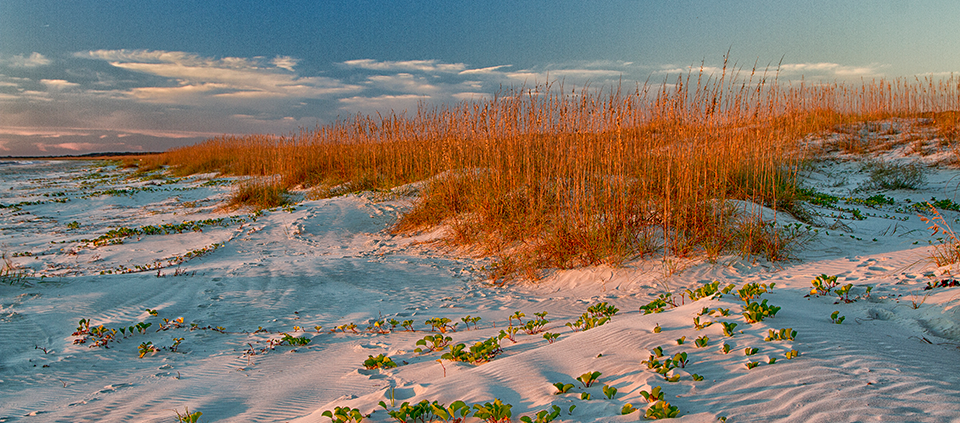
x=86 y=76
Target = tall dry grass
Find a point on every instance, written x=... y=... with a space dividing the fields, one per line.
x=547 y=177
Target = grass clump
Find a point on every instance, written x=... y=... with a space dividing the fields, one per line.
x=260 y=194
x=889 y=175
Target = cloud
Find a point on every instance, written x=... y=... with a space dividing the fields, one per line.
x=76 y=146
x=830 y=69
x=200 y=80
x=84 y=132
x=34 y=60
x=429 y=66
x=58 y=84
x=284 y=62
x=486 y=70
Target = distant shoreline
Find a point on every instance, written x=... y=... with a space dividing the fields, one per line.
x=105 y=155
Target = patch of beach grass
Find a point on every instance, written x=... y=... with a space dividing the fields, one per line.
x=260 y=194
x=549 y=177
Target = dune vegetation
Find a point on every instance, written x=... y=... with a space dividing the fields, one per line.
x=552 y=177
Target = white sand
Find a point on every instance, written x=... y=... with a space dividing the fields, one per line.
x=330 y=262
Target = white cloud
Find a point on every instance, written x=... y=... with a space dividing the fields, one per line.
x=42 y=133
x=824 y=69
x=406 y=65
x=34 y=60
x=284 y=62
x=490 y=69
x=58 y=84
x=201 y=79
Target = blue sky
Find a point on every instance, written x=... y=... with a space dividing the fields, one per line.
x=87 y=76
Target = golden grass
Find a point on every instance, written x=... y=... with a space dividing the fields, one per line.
x=547 y=177
x=259 y=194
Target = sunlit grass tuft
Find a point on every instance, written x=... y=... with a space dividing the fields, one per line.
x=260 y=194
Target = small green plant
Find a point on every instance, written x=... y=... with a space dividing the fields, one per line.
x=752 y=364
x=753 y=290
x=589 y=378
x=510 y=333
x=535 y=326
x=771 y=360
x=495 y=412
x=435 y=342
x=671 y=379
x=657 y=328
x=823 y=284
x=723 y=311
x=585 y=396
x=468 y=320
x=709 y=290
x=791 y=354
x=835 y=317
x=659 y=304
x=725 y=348
x=681 y=339
x=653 y=395
x=550 y=337
x=147 y=348
x=294 y=341
x=785 y=334
x=457 y=412
x=728 y=328
x=609 y=391
x=755 y=312
x=696 y=377
x=344 y=415
x=479 y=353
x=749 y=351
x=73 y=225
x=441 y=324
x=379 y=362
x=602 y=310
x=698 y=325
x=378 y=327
x=627 y=409
x=702 y=341
x=187 y=416
x=345 y=327
x=562 y=388
x=680 y=360
x=844 y=293
x=407 y=325
x=586 y=322
x=661 y=410
x=658 y=351
x=420 y=412
x=543 y=416
x=652 y=363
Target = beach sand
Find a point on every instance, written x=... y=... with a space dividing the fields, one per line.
x=241 y=283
